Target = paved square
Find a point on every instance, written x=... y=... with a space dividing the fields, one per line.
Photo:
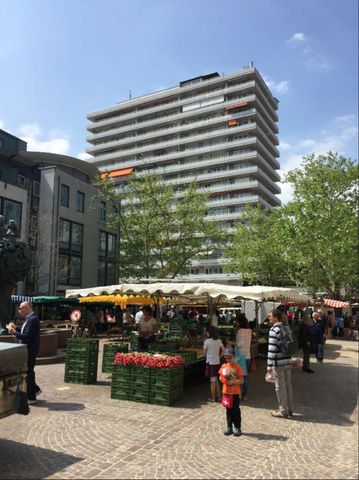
x=78 y=431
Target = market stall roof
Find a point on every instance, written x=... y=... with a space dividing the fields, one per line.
x=257 y=292
x=120 y=300
x=21 y=298
x=336 y=303
x=56 y=300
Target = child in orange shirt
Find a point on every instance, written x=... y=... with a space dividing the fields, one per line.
x=231 y=375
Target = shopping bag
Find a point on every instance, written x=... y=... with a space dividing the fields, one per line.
x=227 y=400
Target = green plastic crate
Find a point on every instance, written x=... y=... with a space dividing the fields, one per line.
x=139 y=394
x=120 y=394
x=164 y=396
x=109 y=353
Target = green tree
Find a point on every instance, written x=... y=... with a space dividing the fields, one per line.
x=159 y=231
x=259 y=250
x=322 y=224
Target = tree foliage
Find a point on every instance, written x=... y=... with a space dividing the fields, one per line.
x=323 y=223
x=259 y=250
x=159 y=231
x=313 y=240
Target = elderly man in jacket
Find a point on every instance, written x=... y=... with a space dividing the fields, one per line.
x=29 y=334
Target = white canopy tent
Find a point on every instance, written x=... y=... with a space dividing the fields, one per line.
x=205 y=291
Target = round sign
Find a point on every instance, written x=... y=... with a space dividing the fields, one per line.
x=75 y=315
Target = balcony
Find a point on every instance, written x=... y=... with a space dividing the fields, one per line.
x=190 y=125
x=172 y=143
x=104 y=160
x=170 y=105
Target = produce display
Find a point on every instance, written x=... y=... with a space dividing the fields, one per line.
x=148 y=360
x=81 y=360
x=147 y=378
x=109 y=352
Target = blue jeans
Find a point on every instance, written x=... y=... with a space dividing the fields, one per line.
x=246 y=379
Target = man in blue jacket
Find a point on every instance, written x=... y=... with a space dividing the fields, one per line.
x=30 y=335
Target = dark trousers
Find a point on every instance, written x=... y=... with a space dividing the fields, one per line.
x=319 y=351
x=234 y=414
x=32 y=388
x=306 y=358
x=143 y=342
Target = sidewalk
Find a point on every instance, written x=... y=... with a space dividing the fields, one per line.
x=78 y=431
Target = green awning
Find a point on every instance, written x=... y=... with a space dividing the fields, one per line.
x=56 y=300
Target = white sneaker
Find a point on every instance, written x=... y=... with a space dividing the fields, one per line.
x=39 y=392
x=31 y=402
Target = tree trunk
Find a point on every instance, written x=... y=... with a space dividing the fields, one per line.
x=5 y=306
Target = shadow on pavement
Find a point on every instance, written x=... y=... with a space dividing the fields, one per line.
x=328 y=396
x=60 y=406
x=265 y=436
x=18 y=460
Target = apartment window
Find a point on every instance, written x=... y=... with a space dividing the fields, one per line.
x=70 y=252
x=65 y=196
x=36 y=188
x=69 y=269
x=103 y=211
x=80 y=202
x=11 y=210
x=70 y=236
x=106 y=273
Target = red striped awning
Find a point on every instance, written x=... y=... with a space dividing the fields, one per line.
x=336 y=303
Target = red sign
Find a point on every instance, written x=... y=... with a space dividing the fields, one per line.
x=75 y=315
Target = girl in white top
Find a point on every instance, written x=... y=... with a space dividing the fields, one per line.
x=213 y=350
x=243 y=342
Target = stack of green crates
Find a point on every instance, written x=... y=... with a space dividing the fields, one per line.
x=140 y=384
x=166 y=385
x=120 y=385
x=188 y=356
x=161 y=386
x=109 y=353
x=134 y=341
x=81 y=360
x=178 y=327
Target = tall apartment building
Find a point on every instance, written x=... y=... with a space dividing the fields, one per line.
x=219 y=130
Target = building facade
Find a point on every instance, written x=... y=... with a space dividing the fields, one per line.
x=53 y=200
x=217 y=130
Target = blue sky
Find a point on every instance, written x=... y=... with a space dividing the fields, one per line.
x=60 y=59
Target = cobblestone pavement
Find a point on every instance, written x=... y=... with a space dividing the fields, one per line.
x=78 y=431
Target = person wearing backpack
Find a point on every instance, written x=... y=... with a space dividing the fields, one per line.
x=279 y=363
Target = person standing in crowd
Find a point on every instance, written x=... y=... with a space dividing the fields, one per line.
x=148 y=328
x=30 y=335
x=213 y=349
x=340 y=325
x=305 y=342
x=231 y=376
x=139 y=316
x=279 y=365
x=319 y=326
x=243 y=342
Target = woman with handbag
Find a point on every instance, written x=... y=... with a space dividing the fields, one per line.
x=231 y=375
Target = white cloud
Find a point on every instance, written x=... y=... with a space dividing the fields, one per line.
x=83 y=156
x=277 y=87
x=2 y=124
x=297 y=38
x=340 y=136
x=320 y=63
x=33 y=135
